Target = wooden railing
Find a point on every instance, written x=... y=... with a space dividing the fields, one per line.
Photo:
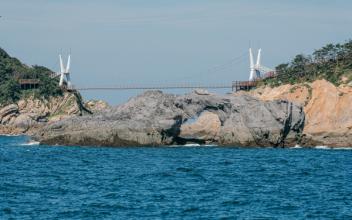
x=28 y=81
x=244 y=85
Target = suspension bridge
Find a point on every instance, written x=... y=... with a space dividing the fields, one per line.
x=234 y=86
x=257 y=72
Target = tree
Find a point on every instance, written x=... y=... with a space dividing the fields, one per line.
x=48 y=86
x=9 y=91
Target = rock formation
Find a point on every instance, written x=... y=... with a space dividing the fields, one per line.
x=29 y=114
x=155 y=118
x=327 y=108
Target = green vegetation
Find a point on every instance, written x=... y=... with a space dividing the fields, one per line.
x=333 y=62
x=11 y=70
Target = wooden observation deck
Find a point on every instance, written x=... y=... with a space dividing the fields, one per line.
x=32 y=82
x=243 y=85
x=29 y=83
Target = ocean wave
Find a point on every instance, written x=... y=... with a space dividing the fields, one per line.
x=210 y=145
x=341 y=148
x=296 y=147
x=11 y=135
x=200 y=145
x=332 y=148
x=30 y=143
x=322 y=147
x=192 y=145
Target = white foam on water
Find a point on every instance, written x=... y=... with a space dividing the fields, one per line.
x=322 y=147
x=31 y=143
x=333 y=148
x=210 y=145
x=172 y=146
x=342 y=148
x=10 y=135
x=192 y=145
x=296 y=147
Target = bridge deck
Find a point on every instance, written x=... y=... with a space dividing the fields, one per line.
x=235 y=86
x=156 y=87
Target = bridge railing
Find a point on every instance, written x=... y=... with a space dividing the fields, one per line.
x=244 y=85
x=156 y=87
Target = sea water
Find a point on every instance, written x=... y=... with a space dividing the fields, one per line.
x=193 y=182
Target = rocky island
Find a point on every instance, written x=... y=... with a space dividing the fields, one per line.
x=155 y=118
x=307 y=103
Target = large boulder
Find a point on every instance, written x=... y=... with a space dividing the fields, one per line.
x=155 y=118
x=24 y=122
x=96 y=105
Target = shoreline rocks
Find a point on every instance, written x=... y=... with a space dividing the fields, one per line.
x=154 y=119
x=326 y=106
x=30 y=114
x=260 y=117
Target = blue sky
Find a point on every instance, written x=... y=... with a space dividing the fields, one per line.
x=166 y=41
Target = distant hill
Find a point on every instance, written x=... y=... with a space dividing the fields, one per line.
x=332 y=62
x=12 y=70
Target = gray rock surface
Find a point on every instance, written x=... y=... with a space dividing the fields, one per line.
x=24 y=121
x=154 y=118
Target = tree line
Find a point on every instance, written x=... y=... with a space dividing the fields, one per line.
x=332 y=62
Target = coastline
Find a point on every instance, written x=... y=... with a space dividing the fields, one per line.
x=205 y=129
x=31 y=142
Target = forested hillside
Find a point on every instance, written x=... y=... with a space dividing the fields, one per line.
x=332 y=62
x=11 y=69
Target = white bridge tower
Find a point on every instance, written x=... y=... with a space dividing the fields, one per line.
x=65 y=72
x=257 y=70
